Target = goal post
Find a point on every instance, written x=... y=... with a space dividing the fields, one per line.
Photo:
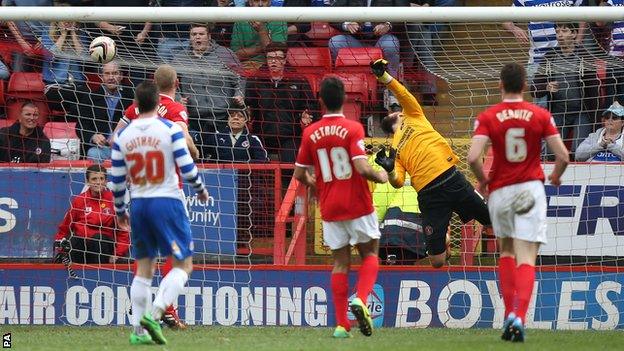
x=260 y=258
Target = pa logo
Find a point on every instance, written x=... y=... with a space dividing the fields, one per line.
x=6 y=341
x=375 y=305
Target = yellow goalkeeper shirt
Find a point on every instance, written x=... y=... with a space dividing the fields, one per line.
x=421 y=150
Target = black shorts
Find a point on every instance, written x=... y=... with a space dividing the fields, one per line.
x=450 y=192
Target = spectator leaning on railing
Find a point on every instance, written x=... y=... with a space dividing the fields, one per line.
x=24 y=141
x=90 y=224
x=606 y=144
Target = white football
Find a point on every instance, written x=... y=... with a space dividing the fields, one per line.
x=102 y=49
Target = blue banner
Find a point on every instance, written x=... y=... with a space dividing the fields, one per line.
x=577 y=299
x=33 y=202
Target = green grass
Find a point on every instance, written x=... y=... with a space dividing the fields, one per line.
x=289 y=338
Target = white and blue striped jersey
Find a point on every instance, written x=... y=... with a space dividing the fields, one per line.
x=147 y=151
x=617 y=32
x=542 y=34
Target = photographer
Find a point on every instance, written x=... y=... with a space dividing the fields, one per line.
x=89 y=232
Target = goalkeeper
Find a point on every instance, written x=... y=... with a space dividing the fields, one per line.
x=418 y=149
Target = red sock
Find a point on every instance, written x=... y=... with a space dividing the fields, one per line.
x=166 y=267
x=507 y=277
x=340 y=289
x=525 y=277
x=367 y=277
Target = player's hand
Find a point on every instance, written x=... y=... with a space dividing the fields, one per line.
x=482 y=186
x=203 y=196
x=306 y=118
x=379 y=67
x=554 y=179
x=239 y=99
x=353 y=27
x=382 y=177
x=61 y=247
x=386 y=161
x=552 y=87
x=194 y=151
x=123 y=221
x=140 y=38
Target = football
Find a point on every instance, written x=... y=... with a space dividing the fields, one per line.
x=102 y=49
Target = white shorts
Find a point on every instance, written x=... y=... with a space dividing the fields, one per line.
x=530 y=226
x=339 y=234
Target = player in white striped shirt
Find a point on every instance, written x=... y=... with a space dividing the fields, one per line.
x=147 y=152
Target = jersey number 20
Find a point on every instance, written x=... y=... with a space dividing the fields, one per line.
x=148 y=169
x=515 y=145
x=340 y=165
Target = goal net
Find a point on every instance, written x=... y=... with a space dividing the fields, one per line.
x=249 y=88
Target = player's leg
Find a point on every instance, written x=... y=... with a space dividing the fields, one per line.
x=507 y=279
x=526 y=254
x=436 y=212
x=170 y=317
x=340 y=290
x=337 y=239
x=143 y=250
x=364 y=234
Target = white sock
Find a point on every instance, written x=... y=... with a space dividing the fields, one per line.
x=170 y=287
x=140 y=294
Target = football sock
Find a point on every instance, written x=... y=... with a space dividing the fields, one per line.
x=164 y=270
x=140 y=295
x=525 y=277
x=340 y=289
x=507 y=277
x=367 y=277
x=170 y=287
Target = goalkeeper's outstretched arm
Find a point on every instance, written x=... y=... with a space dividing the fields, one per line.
x=411 y=107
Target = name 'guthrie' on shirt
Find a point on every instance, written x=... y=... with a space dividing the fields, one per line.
x=323 y=131
x=524 y=115
x=142 y=141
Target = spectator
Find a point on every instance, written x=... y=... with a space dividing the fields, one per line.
x=605 y=144
x=282 y=105
x=250 y=39
x=297 y=30
x=235 y=144
x=63 y=41
x=371 y=34
x=24 y=141
x=222 y=31
x=90 y=224
x=543 y=36
x=208 y=80
x=174 y=35
x=4 y=70
x=26 y=34
x=563 y=79
x=615 y=73
x=99 y=112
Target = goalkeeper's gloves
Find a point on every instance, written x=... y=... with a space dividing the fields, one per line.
x=61 y=248
x=379 y=68
x=386 y=161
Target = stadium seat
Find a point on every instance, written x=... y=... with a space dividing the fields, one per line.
x=5 y=123
x=357 y=60
x=320 y=33
x=356 y=89
x=310 y=60
x=93 y=81
x=2 y=100
x=60 y=130
x=64 y=142
x=26 y=85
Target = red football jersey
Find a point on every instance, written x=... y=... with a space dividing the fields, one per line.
x=330 y=146
x=168 y=109
x=516 y=130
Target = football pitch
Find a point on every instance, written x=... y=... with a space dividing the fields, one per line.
x=290 y=338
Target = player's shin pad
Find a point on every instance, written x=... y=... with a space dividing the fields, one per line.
x=523 y=202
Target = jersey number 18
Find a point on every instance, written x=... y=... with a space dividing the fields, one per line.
x=340 y=165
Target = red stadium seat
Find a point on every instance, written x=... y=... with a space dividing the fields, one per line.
x=310 y=60
x=357 y=60
x=356 y=89
x=320 y=33
x=2 y=100
x=26 y=85
x=60 y=130
x=93 y=81
x=5 y=123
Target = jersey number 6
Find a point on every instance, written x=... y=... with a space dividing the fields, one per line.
x=515 y=145
x=150 y=168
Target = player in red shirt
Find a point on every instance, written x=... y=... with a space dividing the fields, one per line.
x=517 y=200
x=334 y=148
x=166 y=79
x=90 y=223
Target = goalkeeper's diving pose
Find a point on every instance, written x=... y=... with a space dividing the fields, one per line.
x=418 y=149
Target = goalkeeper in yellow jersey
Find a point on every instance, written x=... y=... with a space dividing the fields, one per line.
x=418 y=149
